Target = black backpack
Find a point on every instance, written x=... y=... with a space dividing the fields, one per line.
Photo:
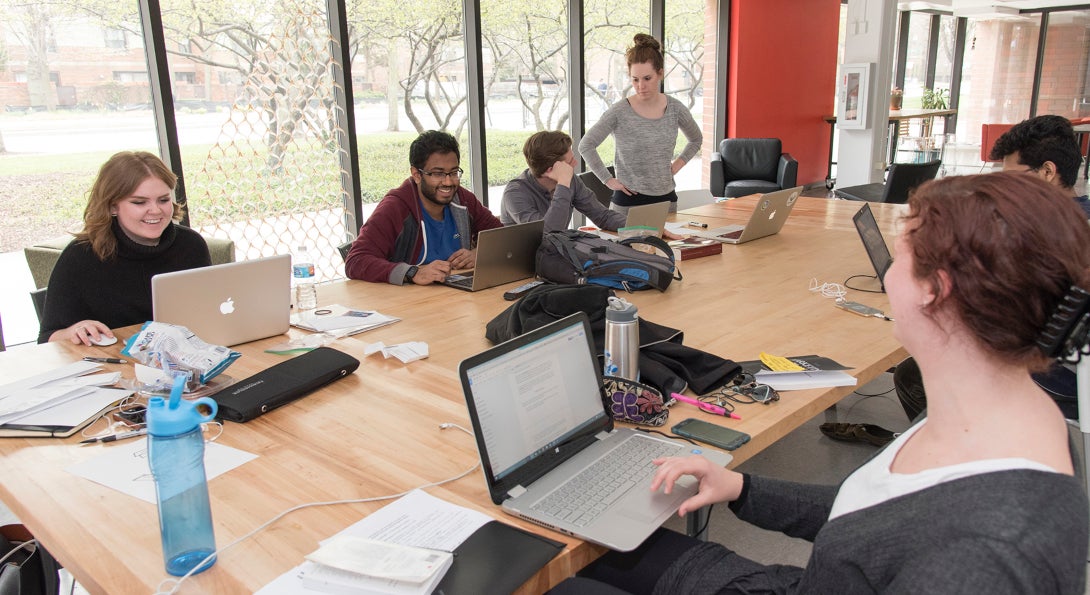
x=578 y=257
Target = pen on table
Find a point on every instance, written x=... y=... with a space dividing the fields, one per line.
x=710 y=408
x=698 y=224
x=115 y=437
x=105 y=360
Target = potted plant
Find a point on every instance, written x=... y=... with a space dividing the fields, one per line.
x=896 y=99
x=934 y=99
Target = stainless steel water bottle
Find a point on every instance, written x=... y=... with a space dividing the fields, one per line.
x=622 y=349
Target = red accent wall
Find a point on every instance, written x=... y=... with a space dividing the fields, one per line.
x=782 y=76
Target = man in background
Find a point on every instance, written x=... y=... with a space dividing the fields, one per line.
x=549 y=189
x=1047 y=147
x=425 y=228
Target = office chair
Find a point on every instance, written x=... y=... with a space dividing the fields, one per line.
x=343 y=250
x=988 y=135
x=591 y=181
x=744 y=166
x=902 y=178
x=38 y=297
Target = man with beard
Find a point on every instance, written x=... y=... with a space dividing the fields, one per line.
x=425 y=228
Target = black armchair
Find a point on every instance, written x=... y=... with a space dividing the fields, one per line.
x=745 y=166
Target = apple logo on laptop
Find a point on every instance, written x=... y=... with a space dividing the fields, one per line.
x=228 y=306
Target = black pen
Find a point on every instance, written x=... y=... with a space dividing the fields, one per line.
x=114 y=437
x=698 y=224
x=105 y=360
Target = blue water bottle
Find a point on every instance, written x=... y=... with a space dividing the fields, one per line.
x=176 y=456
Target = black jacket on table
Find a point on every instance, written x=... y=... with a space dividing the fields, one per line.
x=664 y=361
x=116 y=292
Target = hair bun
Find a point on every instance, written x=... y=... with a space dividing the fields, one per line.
x=645 y=40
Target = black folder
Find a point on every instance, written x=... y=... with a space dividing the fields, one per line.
x=497 y=558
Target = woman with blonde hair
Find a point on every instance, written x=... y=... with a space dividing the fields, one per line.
x=978 y=497
x=130 y=233
x=644 y=128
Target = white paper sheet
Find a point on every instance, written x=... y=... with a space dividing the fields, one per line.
x=124 y=466
x=417 y=519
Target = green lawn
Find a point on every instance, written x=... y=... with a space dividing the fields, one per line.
x=42 y=196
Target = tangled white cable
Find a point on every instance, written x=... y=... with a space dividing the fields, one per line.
x=829 y=290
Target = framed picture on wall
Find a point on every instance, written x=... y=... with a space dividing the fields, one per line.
x=852 y=96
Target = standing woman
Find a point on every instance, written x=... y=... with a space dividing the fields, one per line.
x=644 y=128
x=102 y=280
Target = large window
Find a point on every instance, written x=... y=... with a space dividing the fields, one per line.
x=258 y=123
x=260 y=156
x=409 y=73
x=610 y=27
x=53 y=137
x=525 y=81
x=685 y=74
x=997 y=78
x=1065 y=72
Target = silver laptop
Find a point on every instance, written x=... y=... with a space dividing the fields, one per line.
x=652 y=215
x=227 y=304
x=687 y=199
x=767 y=219
x=543 y=435
x=504 y=254
x=874 y=243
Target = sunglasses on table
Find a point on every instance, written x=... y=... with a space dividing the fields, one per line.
x=743 y=389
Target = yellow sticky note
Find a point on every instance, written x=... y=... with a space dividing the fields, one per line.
x=779 y=364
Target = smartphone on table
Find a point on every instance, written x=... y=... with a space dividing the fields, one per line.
x=709 y=433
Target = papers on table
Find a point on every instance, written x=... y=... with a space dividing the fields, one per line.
x=406 y=352
x=416 y=520
x=58 y=402
x=359 y=564
x=124 y=466
x=340 y=321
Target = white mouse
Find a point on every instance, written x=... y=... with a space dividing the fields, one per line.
x=104 y=341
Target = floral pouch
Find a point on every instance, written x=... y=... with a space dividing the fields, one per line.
x=633 y=401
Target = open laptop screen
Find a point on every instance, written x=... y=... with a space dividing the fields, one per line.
x=535 y=396
x=873 y=241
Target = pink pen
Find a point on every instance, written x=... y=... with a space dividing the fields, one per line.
x=716 y=409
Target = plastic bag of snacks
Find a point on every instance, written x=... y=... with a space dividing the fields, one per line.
x=173 y=349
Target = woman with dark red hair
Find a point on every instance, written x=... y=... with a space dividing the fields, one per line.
x=980 y=496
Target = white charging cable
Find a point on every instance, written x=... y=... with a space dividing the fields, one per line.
x=829 y=290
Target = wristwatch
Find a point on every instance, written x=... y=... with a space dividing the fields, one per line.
x=409 y=274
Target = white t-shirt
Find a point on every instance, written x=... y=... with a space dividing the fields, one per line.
x=874 y=483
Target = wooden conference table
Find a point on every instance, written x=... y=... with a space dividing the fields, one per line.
x=376 y=432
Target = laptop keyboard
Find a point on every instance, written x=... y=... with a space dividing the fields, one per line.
x=585 y=496
x=460 y=281
x=733 y=235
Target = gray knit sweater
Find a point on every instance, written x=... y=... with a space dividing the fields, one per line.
x=644 y=147
x=1017 y=531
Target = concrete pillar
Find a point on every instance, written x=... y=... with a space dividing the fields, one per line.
x=870 y=37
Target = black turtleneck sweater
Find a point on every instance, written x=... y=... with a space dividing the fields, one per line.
x=116 y=292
